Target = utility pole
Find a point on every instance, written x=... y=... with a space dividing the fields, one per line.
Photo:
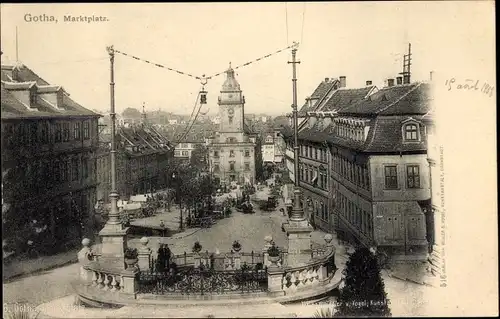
x=297 y=211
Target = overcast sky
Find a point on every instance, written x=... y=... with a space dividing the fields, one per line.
x=361 y=40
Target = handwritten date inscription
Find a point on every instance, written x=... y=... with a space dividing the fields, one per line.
x=470 y=85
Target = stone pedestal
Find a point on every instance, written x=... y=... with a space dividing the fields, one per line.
x=130 y=282
x=237 y=260
x=114 y=243
x=299 y=242
x=274 y=279
x=144 y=255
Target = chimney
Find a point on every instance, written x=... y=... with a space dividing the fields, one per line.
x=399 y=80
x=327 y=79
x=390 y=82
x=342 y=81
x=430 y=75
x=406 y=79
x=368 y=83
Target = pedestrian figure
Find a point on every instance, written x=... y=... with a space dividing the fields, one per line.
x=168 y=255
x=160 y=261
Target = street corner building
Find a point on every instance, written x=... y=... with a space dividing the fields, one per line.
x=49 y=144
x=363 y=165
x=234 y=151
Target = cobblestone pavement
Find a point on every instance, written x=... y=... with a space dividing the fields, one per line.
x=41 y=287
x=248 y=229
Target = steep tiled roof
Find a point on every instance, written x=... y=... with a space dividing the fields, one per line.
x=315 y=133
x=402 y=99
x=145 y=138
x=323 y=88
x=13 y=108
x=386 y=136
x=386 y=111
x=343 y=98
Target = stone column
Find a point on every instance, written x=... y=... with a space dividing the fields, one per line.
x=197 y=260
x=85 y=257
x=144 y=255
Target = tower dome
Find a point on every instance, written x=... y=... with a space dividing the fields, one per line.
x=230 y=84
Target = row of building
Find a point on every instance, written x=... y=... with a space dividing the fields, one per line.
x=56 y=159
x=364 y=165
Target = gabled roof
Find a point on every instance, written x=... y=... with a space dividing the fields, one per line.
x=386 y=112
x=396 y=100
x=320 y=92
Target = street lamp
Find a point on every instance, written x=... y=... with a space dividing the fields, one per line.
x=297 y=212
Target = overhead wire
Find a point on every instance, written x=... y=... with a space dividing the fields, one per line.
x=192 y=123
x=188 y=127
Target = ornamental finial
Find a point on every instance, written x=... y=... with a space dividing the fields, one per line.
x=111 y=50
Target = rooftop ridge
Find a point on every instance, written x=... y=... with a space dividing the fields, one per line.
x=399 y=99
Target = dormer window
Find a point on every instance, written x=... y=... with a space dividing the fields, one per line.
x=410 y=132
x=32 y=98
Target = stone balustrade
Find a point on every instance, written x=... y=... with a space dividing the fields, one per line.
x=106 y=281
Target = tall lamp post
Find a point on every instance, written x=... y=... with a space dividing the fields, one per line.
x=113 y=234
x=297 y=211
x=298 y=228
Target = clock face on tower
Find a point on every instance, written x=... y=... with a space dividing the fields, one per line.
x=230 y=111
x=230 y=96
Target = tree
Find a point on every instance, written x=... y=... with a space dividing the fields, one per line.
x=131 y=113
x=199 y=156
x=364 y=291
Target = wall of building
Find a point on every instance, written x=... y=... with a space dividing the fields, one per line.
x=268 y=154
x=48 y=159
x=243 y=162
x=402 y=193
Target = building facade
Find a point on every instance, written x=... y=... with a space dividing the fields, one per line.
x=49 y=143
x=380 y=174
x=143 y=162
x=233 y=149
x=377 y=174
x=273 y=147
x=315 y=156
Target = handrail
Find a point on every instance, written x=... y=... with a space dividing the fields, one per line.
x=96 y=266
x=319 y=260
